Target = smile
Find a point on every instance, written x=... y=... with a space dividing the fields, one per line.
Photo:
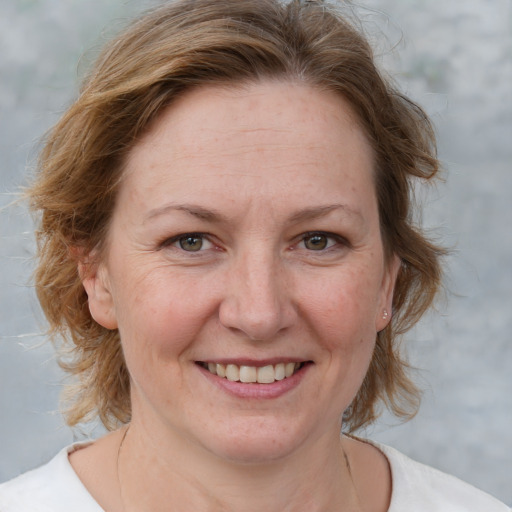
x=253 y=374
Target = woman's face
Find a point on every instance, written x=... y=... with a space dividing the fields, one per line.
x=245 y=241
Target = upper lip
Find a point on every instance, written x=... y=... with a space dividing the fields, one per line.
x=253 y=362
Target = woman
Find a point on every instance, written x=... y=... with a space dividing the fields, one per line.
x=226 y=249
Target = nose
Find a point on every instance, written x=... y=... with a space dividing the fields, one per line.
x=257 y=301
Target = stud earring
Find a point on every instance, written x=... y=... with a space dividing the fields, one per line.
x=385 y=314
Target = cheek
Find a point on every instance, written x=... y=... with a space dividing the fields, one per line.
x=341 y=320
x=160 y=322
x=342 y=309
x=159 y=314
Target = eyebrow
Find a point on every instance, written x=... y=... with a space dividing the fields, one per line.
x=192 y=209
x=216 y=217
x=316 y=212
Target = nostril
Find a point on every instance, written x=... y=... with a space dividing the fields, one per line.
x=257 y=302
x=254 y=323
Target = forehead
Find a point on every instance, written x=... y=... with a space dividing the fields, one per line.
x=275 y=136
x=214 y=110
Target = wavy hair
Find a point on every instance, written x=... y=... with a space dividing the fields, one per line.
x=190 y=43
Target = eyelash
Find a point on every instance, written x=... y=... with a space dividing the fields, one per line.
x=337 y=239
x=168 y=242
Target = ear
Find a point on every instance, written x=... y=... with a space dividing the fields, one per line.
x=95 y=279
x=384 y=311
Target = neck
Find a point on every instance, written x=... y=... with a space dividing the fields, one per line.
x=171 y=473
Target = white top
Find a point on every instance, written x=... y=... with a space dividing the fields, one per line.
x=55 y=487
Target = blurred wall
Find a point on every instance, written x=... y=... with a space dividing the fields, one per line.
x=455 y=58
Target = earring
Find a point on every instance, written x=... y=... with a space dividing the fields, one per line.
x=385 y=314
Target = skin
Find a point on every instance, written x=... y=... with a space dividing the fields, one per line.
x=260 y=170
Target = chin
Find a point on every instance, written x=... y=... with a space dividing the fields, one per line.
x=253 y=451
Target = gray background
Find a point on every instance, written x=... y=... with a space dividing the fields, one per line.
x=455 y=58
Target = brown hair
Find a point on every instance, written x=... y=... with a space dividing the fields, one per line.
x=185 y=44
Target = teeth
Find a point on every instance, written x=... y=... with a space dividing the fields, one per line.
x=232 y=372
x=221 y=369
x=289 y=369
x=266 y=374
x=280 y=372
x=248 y=374
x=251 y=374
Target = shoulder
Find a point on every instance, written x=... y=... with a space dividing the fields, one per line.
x=54 y=487
x=422 y=488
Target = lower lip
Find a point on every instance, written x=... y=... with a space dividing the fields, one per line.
x=256 y=390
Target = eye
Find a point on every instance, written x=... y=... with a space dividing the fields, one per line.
x=190 y=242
x=319 y=241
